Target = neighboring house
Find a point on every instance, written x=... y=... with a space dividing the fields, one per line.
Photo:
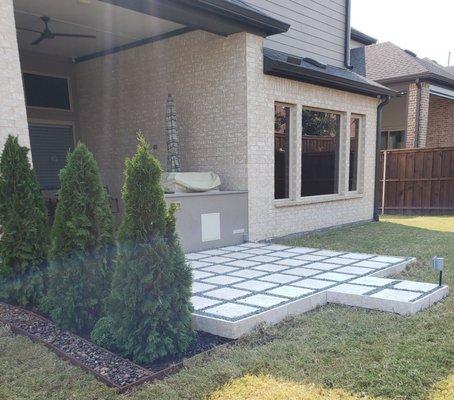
x=263 y=91
x=423 y=114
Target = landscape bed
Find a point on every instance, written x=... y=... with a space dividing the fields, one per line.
x=110 y=368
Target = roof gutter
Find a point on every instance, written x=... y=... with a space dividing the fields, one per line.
x=426 y=76
x=291 y=71
x=362 y=37
x=384 y=102
x=348 y=29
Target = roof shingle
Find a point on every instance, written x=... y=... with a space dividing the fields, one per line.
x=385 y=61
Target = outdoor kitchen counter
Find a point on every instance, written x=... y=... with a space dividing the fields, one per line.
x=211 y=219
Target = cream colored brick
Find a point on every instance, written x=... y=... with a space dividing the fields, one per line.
x=265 y=219
x=125 y=92
x=13 y=117
x=225 y=107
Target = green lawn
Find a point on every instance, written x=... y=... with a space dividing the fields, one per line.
x=337 y=349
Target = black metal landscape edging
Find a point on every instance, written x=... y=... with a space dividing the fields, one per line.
x=149 y=374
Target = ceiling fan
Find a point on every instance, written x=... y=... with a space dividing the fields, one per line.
x=48 y=34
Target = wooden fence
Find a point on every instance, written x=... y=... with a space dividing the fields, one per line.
x=417 y=181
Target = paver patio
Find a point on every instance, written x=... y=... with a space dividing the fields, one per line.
x=238 y=287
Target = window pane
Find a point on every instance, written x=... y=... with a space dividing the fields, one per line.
x=384 y=140
x=320 y=153
x=281 y=151
x=46 y=91
x=396 y=140
x=353 y=173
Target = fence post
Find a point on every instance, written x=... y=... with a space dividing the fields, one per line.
x=383 y=193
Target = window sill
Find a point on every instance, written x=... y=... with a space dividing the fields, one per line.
x=316 y=199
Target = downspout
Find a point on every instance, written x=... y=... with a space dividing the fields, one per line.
x=377 y=155
x=347 y=34
x=418 y=111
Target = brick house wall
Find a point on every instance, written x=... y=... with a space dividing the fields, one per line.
x=268 y=217
x=13 y=117
x=412 y=114
x=440 y=132
x=122 y=93
x=225 y=107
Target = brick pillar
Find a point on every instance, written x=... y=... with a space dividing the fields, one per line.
x=13 y=116
x=412 y=116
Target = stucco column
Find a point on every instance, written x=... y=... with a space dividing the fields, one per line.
x=13 y=116
x=418 y=114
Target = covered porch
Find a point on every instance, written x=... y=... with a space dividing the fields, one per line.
x=100 y=71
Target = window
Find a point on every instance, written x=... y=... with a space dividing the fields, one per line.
x=281 y=151
x=50 y=145
x=46 y=91
x=355 y=124
x=392 y=140
x=320 y=153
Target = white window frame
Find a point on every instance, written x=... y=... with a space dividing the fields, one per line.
x=344 y=158
x=361 y=153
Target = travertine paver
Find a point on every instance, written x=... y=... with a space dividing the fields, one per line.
x=372 y=281
x=232 y=310
x=304 y=272
x=314 y=283
x=227 y=293
x=248 y=273
x=237 y=287
x=279 y=278
x=290 y=291
x=255 y=286
x=351 y=289
x=200 y=303
x=391 y=294
x=201 y=274
x=334 y=276
x=262 y=300
x=271 y=267
x=415 y=286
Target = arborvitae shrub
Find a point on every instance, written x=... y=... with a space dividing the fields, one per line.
x=82 y=246
x=103 y=334
x=150 y=299
x=24 y=231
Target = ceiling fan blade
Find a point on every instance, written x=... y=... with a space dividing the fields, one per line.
x=73 y=35
x=27 y=30
x=39 y=40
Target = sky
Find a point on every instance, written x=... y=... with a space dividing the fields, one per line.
x=425 y=27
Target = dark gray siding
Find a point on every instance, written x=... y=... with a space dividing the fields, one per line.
x=317 y=28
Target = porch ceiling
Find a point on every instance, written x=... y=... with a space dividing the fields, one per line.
x=113 y=26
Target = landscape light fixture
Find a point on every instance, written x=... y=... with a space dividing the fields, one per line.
x=438 y=264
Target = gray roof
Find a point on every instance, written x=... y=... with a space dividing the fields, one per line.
x=326 y=73
x=386 y=62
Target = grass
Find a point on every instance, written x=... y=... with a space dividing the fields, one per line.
x=337 y=350
x=265 y=387
x=440 y=224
